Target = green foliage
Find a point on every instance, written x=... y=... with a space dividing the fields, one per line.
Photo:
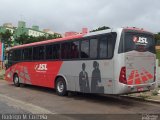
x=6 y=38
x=157 y=38
x=21 y=39
x=155 y=93
x=158 y=55
x=25 y=39
x=143 y=96
x=100 y=28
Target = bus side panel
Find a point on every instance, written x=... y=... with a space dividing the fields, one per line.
x=89 y=76
x=9 y=75
x=35 y=73
x=118 y=64
x=11 y=71
x=83 y=76
x=51 y=73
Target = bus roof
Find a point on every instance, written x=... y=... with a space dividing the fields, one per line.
x=48 y=41
x=61 y=39
x=137 y=29
x=79 y=36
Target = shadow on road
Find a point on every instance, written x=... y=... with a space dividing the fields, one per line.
x=92 y=98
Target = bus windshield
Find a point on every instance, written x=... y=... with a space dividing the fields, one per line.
x=141 y=42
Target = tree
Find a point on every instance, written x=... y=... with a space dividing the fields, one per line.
x=6 y=38
x=157 y=38
x=22 y=39
x=25 y=39
x=49 y=37
x=100 y=28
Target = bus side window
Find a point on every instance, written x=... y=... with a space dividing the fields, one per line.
x=41 y=52
x=85 y=49
x=17 y=55
x=49 y=52
x=35 y=53
x=111 y=43
x=56 y=51
x=107 y=45
x=27 y=54
x=10 y=58
x=65 y=50
x=38 y=53
x=75 y=50
x=10 y=55
x=103 y=47
x=93 y=48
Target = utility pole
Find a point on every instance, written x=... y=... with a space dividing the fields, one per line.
x=1 y=51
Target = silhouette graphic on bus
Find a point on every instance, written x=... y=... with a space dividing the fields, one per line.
x=96 y=79
x=83 y=80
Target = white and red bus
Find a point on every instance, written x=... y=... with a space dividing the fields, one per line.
x=113 y=61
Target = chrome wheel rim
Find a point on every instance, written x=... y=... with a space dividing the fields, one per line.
x=60 y=86
x=16 y=80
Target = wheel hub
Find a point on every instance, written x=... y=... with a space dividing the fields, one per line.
x=60 y=86
x=16 y=80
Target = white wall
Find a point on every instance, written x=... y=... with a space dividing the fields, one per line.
x=35 y=33
x=11 y=30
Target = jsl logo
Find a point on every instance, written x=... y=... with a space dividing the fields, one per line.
x=41 y=67
x=141 y=40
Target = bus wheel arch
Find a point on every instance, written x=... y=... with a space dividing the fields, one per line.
x=61 y=85
x=16 y=80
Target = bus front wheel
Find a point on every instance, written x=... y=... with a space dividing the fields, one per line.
x=16 y=80
x=61 y=87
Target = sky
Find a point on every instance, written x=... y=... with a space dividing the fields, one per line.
x=73 y=15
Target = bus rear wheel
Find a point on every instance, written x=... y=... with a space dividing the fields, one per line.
x=61 y=87
x=16 y=80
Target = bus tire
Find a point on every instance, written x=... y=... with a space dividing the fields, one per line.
x=61 y=87
x=16 y=80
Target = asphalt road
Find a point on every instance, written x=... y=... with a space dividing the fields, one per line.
x=38 y=100
x=5 y=108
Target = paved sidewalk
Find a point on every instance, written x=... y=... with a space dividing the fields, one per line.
x=150 y=96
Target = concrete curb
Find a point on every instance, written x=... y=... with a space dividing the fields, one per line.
x=154 y=101
x=144 y=100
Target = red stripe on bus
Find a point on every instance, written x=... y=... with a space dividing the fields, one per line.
x=138 y=81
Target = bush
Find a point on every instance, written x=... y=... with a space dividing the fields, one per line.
x=143 y=96
x=158 y=55
x=155 y=93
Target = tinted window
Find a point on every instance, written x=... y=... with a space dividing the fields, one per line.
x=49 y=52
x=16 y=55
x=56 y=51
x=38 y=53
x=107 y=45
x=136 y=41
x=103 y=47
x=53 y=51
x=10 y=59
x=93 y=48
x=74 y=49
x=111 y=45
x=27 y=54
x=10 y=55
x=65 y=50
x=85 y=49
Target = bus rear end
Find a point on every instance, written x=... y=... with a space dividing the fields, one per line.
x=137 y=71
